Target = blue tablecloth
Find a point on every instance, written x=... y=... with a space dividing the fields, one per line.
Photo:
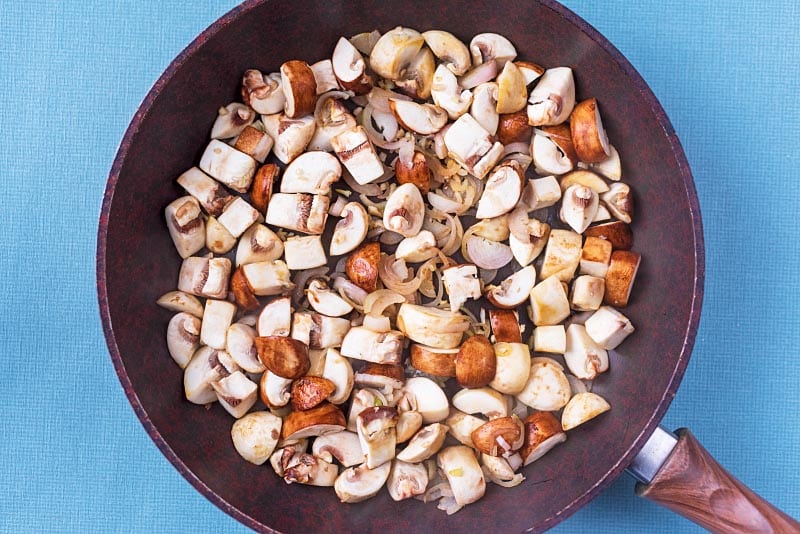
x=74 y=456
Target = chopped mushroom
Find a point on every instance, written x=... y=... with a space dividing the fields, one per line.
x=547 y=388
x=178 y=301
x=463 y=472
x=427 y=398
x=304 y=252
x=379 y=347
x=355 y=151
x=312 y=172
x=351 y=230
x=553 y=98
x=231 y=120
x=461 y=283
x=290 y=136
x=431 y=326
x=581 y=408
x=255 y=436
x=424 y=444
x=405 y=211
x=608 y=327
x=514 y=290
x=513 y=367
x=484 y=400
x=236 y=393
x=183 y=337
x=306 y=469
x=209 y=193
x=300 y=212
x=579 y=207
x=318 y=421
x=446 y=95
x=228 y=165
x=453 y=54
x=542 y=432
x=502 y=190
x=471 y=145
x=395 y=51
x=206 y=366
x=406 y=480
x=262 y=92
x=186 y=226
x=484 y=106
x=417 y=78
x=356 y=484
x=584 y=358
x=376 y=433
x=486 y=47
x=205 y=277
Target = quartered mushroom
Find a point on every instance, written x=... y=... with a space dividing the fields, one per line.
x=449 y=50
x=621 y=274
x=514 y=290
x=228 y=165
x=312 y=172
x=549 y=302
x=344 y=446
x=585 y=178
x=290 y=136
x=258 y=243
x=339 y=371
x=461 y=283
x=512 y=92
x=587 y=293
x=608 y=327
x=528 y=236
x=581 y=408
x=499 y=437
x=263 y=93
x=472 y=146
x=417 y=78
x=186 y=227
x=236 y=393
x=310 y=391
x=331 y=118
x=505 y=326
x=361 y=400
x=463 y=472
x=325 y=300
x=362 y=266
x=318 y=421
x=355 y=151
x=484 y=106
x=418 y=248
x=619 y=201
x=240 y=344
x=595 y=257
x=548 y=156
x=356 y=484
x=386 y=378
x=562 y=255
x=231 y=120
x=255 y=436
x=275 y=391
x=376 y=433
x=553 y=98
x=424 y=444
x=484 y=400
x=275 y=319
x=304 y=252
x=211 y=194
x=432 y=326
x=486 y=47
x=218 y=239
x=514 y=128
x=406 y=480
x=427 y=398
x=394 y=52
x=611 y=167
x=299 y=88
x=266 y=278
x=512 y=369
x=461 y=425
x=238 y=216
x=205 y=277
x=254 y=142
x=351 y=229
x=300 y=212
x=588 y=135
x=475 y=362
x=547 y=388
x=319 y=331
x=178 y=301
x=424 y=119
x=502 y=190
x=579 y=206
x=324 y=76
x=183 y=337
x=447 y=95
x=617 y=233
x=530 y=71
x=283 y=356
x=405 y=211
x=416 y=172
x=285 y=453
x=583 y=356
x=206 y=366
x=307 y=469
x=541 y=193
x=378 y=347
x=437 y=362
x=542 y=432
x=408 y=423
x=350 y=68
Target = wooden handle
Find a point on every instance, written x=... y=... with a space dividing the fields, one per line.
x=692 y=484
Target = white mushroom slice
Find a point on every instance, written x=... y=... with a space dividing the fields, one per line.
x=240 y=344
x=483 y=400
x=408 y=423
x=551 y=338
x=428 y=399
x=424 y=444
x=183 y=337
x=339 y=371
x=486 y=47
x=324 y=76
x=204 y=277
x=375 y=426
x=178 y=301
x=312 y=172
x=547 y=388
x=451 y=52
x=579 y=207
x=217 y=318
x=608 y=327
x=231 y=120
x=514 y=290
x=218 y=239
x=228 y=165
x=461 y=426
x=513 y=367
x=300 y=212
x=206 y=366
x=406 y=480
x=502 y=191
x=541 y=193
x=291 y=136
x=405 y=211
x=263 y=93
x=587 y=293
x=431 y=326
x=258 y=243
x=344 y=446
x=186 y=226
x=355 y=151
x=418 y=248
x=512 y=91
x=584 y=358
x=417 y=78
x=460 y=466
x=350 y=68
x=461 y=283
x=548 y=158
x=487 y=254
x=276 y=318
x=549 y=302
x=553 y=98
x=236 y=393
x=619 y=201
x=304 y=252
x=268 y=277
x=210 y=193
x=394 y=52
x=562 y=255
x=356 y=484
x=276 y=389
x=306 y=469
x=484 y=106
x=378 y=347
x=326 y=301
x=610 y=167
x=331 y=118
x=472 y=146
x=581 y=408
x=351 y=230
x=255 y=436
x=424 y=119
x=238 y=216
x=446 y=95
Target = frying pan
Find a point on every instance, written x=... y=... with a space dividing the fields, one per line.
x=136 y=263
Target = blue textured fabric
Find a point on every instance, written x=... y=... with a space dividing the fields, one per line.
x=74 y=456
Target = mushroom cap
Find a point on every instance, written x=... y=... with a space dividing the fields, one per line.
x=255 y=436
x=356 y=484
x=547 y=387
x=451 y=51
x=394 y=52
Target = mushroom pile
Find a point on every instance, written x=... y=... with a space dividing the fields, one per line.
x=341 y=236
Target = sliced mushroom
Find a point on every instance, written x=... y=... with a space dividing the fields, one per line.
x=512 y=92
x=417 y=78
x=344 y=446
x=514 y=290
x=475 y=362
x=581 y=408
x=608 y=327
x=258 y=243
x=611 y=167
x=355 y=151
x=500 y=436
x=299 y=87
x=268 y=277
x=228 y=165
x=255 y=436
x=351 y=230
x=460 y=466
x=206 y=366
x=588 y=135
x=186 y=226
x=446 y=95
x=312 y=172
x=426 y=398
x=236 y=393
x=378 y=347
x=418 y=248
x=587 y=293
x=238 y=216
x=462 y=425
x=178 y=301
x=513 y=367
x=451 y=52
x=275 y=318
x=231 y=120
x=432 y=326
x=331 y=118
x=408 y=423
x=617 y=233
x=461 y=283
x=306 y=469
x=183 y=337
x=376 y=433
x=542 y=432
x=619 y=201
x=339 y=371
x=486 y=47
x=621 y=274
x=406 y=480
x=324 y=76
x=300 y=212
x=486 y=253
x=209 y=193
x=505 y=326
x=304 y=252
x=579 y=207
x=350 y=68
x=405 y=211
x=502 y=190
x=584 y=358
x=553 y=98
x=484 y=106
x=240 y=344
x=548 y=157
x=318 y=421
x=424 y=444
x=424 y=119
x=394 y=52
x=290 y=136
x=274 y=390
x=549 y=302
x=263 y=93
x=356 y=484
x=551 y=338
x=217 y=317
x=472 y=146
x=205 y=277
x=547 y=388
x=326 y=301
